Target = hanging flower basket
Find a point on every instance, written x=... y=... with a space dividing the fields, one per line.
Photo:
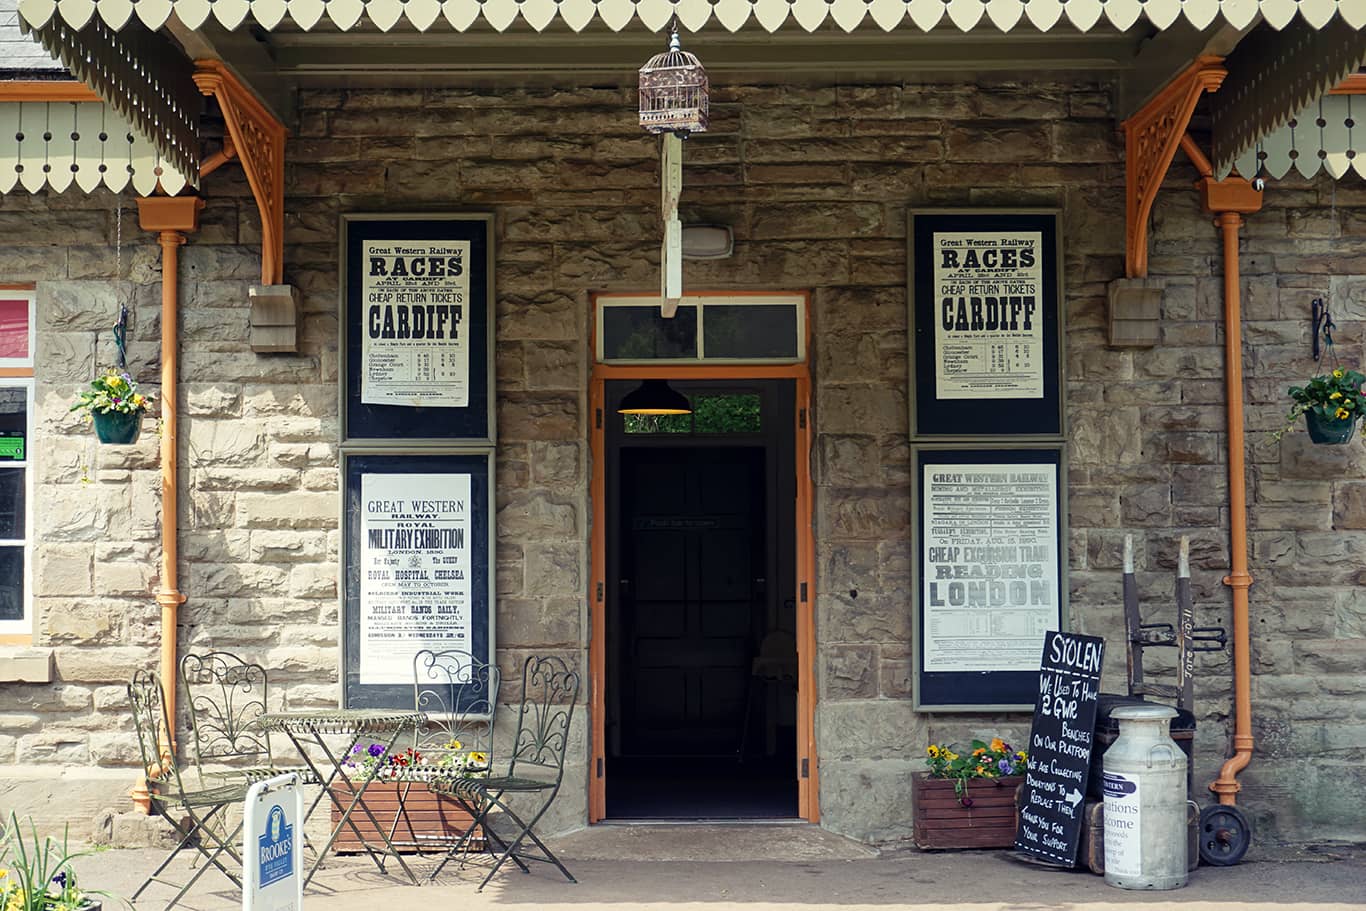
x=1332 y=405
x=118 y=427
x=1329 y=430
x=115 y=405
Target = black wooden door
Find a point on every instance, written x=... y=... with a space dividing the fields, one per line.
x=692 y=597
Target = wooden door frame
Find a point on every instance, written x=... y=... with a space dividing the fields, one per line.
x=808 y=789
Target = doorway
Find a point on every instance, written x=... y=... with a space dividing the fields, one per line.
x=701 y=619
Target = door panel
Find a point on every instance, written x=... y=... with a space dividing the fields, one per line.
x=689 y=607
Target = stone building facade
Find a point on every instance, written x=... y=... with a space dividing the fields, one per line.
x=816 y=182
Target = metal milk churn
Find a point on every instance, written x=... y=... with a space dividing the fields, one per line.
x=1145 y=802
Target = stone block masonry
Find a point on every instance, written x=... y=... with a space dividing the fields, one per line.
x=816 y=182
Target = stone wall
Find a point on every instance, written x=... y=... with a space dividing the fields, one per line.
x=816 y=182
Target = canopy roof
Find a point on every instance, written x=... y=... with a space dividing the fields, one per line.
x=770 y=15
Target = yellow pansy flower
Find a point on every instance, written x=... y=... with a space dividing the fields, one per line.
x=933 y=751
x=477 y=758
x=1337 y=374
x=1335 y=396
x=452 y=744
x=1342 y=413
x=950 y=755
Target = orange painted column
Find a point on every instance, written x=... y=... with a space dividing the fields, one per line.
x=171 y=218
x=1238 y=579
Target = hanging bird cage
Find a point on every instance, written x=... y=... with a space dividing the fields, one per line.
x=673 y=92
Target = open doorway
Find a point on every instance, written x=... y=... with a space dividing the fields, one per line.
x=701 y=619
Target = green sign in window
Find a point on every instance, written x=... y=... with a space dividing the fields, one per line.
x=12 y=448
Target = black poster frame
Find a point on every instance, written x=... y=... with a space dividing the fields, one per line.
x=989 y=690
x=479 y=465
x=975 y=418
x=416 y=425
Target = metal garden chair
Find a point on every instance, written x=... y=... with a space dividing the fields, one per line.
x=191 y=811
x=458 y=693
x=549 y=691
x=226 y=696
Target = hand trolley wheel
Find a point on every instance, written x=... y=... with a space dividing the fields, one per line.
x=1225 y=834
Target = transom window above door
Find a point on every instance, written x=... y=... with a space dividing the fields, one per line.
x=748 y=328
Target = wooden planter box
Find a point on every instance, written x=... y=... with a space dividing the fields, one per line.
x=425 y=821
x=941 y=822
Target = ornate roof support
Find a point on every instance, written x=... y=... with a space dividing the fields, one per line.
x=259 y=142
x=1151 y=138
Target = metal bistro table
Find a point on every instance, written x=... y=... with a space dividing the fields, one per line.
x=311 y=729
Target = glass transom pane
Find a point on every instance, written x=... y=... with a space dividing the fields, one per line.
x=750 y=331
x=640 y=333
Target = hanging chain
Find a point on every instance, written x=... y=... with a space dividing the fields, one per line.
x=118 y=240
x=1323 y=326
x=120 y=327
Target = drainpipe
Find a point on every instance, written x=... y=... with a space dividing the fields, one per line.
x=171 y=218
x=1238 y=579
x=1229 y=199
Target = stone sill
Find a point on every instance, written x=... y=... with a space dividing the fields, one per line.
x=25 y=664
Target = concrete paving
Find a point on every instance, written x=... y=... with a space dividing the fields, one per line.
x=762 y=867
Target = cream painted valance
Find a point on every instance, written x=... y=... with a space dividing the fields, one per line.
x=59 y=144
x=1328 y=135
x=1003 y=15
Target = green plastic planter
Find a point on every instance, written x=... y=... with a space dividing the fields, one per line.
x=1329 y=430
x=118 y=427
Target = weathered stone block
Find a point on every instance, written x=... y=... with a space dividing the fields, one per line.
x=63 y=569
x=851 y=672
x=553 y=570
x=296 y=510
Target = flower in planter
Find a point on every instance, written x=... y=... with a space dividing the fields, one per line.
x=983 y=759
x=1330 y=399
x=414 y=765
x=112 y=391
x=36 y=874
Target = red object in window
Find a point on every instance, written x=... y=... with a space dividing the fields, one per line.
x=14 y=329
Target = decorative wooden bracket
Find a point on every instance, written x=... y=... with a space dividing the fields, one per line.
x=259 y=142
x=1151 y=138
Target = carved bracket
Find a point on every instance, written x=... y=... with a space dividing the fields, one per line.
x=259 y=142
x=1151 y=138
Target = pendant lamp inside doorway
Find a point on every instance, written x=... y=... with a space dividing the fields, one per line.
x=654 y=397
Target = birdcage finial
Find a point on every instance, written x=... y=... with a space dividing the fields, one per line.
x=673 y=91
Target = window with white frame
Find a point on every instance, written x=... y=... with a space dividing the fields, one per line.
x=16 y=477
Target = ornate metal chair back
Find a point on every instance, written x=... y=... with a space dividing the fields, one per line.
x=458 y=693
x=226 y=697
x=549 y=690
x=148 y=703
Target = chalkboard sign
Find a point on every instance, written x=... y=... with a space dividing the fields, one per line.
x=1060 y=745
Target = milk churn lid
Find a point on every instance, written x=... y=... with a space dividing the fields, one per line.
x=1150 y=711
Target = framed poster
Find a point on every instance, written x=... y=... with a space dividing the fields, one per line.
x=417 y=317
x=989 y=570
x=985 y=319
x=417 y=568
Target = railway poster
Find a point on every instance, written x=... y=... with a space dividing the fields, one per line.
x=414 y=337
x=415 y=568
x=990 y=565
x=989 y=333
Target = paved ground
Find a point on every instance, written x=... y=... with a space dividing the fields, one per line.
x=716 y=868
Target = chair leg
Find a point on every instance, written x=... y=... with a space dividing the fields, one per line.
x=524 y=832
x=478 y=819
x=200 y=828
